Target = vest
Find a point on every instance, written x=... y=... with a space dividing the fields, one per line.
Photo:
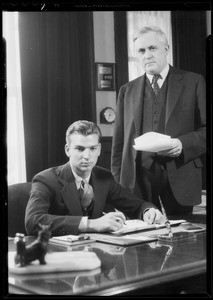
x=153 y=119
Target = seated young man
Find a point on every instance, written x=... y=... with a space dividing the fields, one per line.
x=59 y=196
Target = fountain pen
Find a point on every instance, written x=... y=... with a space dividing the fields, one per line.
x=165 y=216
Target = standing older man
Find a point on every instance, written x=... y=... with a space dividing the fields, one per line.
x=168 y=101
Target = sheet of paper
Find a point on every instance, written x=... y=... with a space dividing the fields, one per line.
x=137 y=225
x=152 y=142
x=133 y=225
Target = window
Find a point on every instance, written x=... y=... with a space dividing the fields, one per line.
x=16 y=169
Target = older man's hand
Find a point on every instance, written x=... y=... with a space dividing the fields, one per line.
x=175 y=151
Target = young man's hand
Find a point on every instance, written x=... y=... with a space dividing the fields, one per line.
x=152 y=216
x=109 y=222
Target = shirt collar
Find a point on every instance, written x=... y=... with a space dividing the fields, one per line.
x=78 y=179
x=163 y=74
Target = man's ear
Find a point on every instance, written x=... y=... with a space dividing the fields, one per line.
x=167 y=49
x=67 y=149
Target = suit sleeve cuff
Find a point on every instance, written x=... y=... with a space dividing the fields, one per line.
x=83 y=224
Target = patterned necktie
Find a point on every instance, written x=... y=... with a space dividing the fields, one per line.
x=86 y=193
x=156 y=87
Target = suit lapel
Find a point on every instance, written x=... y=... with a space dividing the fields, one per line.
x=174 y=90
x=69 y=192
x=137 y=100
x=99 y=190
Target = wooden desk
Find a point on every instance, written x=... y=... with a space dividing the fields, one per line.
x=147 y=269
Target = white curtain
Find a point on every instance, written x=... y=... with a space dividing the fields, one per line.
x=138 y=19
x=16 y=166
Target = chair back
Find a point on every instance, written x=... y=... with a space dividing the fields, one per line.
x=18 y=196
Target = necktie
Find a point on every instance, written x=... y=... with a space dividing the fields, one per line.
x=156 y=87
x=86 y=193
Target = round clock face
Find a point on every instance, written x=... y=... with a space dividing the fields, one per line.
x=109 y=115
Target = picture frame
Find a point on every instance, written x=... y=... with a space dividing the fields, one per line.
x=105 y=76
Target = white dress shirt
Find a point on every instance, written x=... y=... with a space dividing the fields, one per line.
x=160 y=80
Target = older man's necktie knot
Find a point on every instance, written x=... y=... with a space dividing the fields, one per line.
x=155 y=85
x=86 y=194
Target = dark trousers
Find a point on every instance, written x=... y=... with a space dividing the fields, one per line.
x=154 y=182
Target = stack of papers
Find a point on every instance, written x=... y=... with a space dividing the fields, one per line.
x=71 y=240
x=153 y=142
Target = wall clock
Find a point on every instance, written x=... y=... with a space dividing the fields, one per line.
x=107 y=115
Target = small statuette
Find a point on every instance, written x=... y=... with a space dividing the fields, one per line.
x=36 y=250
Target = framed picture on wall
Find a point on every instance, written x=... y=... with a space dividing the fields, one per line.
x=105 y=76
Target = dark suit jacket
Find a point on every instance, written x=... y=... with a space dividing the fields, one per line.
x=185 y=120
x=55 y=198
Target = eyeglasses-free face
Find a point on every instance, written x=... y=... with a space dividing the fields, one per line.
x=83 y=152
x=152 y=52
